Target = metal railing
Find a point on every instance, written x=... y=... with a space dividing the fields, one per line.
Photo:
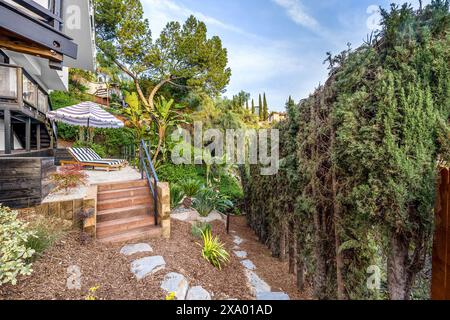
x=148 y=172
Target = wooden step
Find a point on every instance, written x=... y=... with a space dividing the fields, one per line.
x=123 y=193
x=113 y=227
x=118 y=213
x=122 y=185
x=133 y=235
x=124 y=202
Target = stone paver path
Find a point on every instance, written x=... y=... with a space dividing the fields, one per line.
x=147 y=266
x=131 y=249
x=198 y=293
x=258 y=287
x=176 y=283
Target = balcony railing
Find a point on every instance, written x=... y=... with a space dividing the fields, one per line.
x=16 y=86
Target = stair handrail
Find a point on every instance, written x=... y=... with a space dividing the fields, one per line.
x=143 y=156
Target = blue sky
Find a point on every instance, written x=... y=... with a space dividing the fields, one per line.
x=276 y=46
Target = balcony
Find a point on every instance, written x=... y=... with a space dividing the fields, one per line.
x=35 y=27
x=19 y=91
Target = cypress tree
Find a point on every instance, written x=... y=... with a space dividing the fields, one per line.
x=260 y=108
x=265 y=109
x=253 y=106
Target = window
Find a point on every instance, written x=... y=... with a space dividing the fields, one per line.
x=29 y=91
x=8 y=82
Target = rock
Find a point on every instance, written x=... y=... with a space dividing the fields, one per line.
x=212 y=216
x=257 y=285
x=272 y=296
x=248 y=264
x=237 y=240
x=198 y=293
x=187 y=215
x=146 y=266
x=176 y=283
x=136 y=248
x=241 y=254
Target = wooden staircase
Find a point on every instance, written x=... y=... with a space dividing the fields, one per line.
x=125 y=212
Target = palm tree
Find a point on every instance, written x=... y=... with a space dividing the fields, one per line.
x=165 y=117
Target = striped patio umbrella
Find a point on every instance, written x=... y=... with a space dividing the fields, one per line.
x=85 y=114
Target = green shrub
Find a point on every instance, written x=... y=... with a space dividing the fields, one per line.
x=178 y=173
x=207 y=200
x=231 y=188
x=213 y=250
x=176 y=195
x=14 y=252
x=45 y=233
x=204 y=201
x=199 y=228
x=191 y=187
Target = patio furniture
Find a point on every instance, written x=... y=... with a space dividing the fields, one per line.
x=87 y=157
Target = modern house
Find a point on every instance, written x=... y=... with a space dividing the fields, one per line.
x=39 y=41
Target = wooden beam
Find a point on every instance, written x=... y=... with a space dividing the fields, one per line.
x=15 y=43
x=28 y=135
x=7 y=121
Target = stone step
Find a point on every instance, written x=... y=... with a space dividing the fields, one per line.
x=123 y=193
x=108 y=228
x=122 y=185
x=133 y=235
x=124 y=202
x=119 y=213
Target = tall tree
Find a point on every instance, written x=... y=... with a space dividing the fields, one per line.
x=260 y=108
x=246 y=104
x=265 y=108
x=253 y=106
x=183 y=55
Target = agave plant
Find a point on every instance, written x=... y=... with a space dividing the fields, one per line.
x=213 y=250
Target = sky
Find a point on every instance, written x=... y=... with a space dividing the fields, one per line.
x=276 y=46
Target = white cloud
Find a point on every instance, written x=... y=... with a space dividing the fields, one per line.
x=296 y=11
x=162 y=11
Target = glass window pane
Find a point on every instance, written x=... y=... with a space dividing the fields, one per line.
x=29 y=91
x=8 y=82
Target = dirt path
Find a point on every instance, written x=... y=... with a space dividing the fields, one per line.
x=270 y=269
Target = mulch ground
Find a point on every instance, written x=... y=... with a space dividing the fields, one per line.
x=268 y=268
x=103 y=266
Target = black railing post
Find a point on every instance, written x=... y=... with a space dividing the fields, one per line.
x=141 y=164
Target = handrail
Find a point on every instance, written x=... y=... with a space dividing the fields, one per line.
x=144 y=158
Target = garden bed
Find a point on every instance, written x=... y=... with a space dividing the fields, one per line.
x=104 y=266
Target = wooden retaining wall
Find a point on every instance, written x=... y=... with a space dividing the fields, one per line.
x=25 y=181
x=440 y=286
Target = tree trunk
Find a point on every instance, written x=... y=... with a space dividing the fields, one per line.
x=284 y=232
x=341 y=294
x=399 y=281
x=292 y=249
x=300 y=264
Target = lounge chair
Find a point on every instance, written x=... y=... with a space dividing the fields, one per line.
x=87 y=157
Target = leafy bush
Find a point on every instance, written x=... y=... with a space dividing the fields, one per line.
x=231 y=188
x=207 y=200
x=69 y=177
x=113 y=140
x=176 y=195
x=177 y=173
x=191 y=187
x=14 y=253
x=213 y=250
x=204 y=201
x=199 y=228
